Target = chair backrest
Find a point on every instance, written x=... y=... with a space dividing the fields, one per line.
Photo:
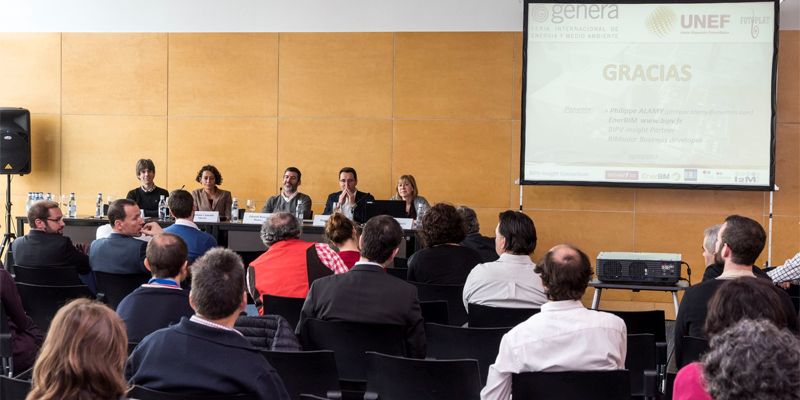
x=13 y=389
x=670 y=385
x=641 y=357
x=287 y=307
x=112 y=288
x=454 y=342
x=693 y=349
x=796 y=303
x=400 y=263
x=450 y=293
x=143 y=393
x=435 y=312
x=307 y=372
x=351 y=341
x=651 y=322
x=131 y=347
x=399 y=273
x=481 y=316
x=6 y=352
x=52 y=276
x=398 y=378
x=571 y=385
x=41 y=302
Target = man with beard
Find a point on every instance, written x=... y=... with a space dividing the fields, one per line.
x=45 y=245
x=287 y=201
x=740 y=241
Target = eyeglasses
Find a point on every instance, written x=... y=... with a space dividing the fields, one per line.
x=55 y=220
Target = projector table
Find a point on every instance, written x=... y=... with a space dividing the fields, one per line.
x=599 y=286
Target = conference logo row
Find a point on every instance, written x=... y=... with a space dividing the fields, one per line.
x=689 y=175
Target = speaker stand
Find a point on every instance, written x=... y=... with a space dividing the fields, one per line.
x=8 y=237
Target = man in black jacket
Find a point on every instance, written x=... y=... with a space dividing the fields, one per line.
x=474 y=240
x=367 y=294
x=349 y=200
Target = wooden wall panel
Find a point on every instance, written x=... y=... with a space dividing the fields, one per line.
x=30 y=71
x=336 y=75
x=115 y=73
x=786 y=201
x=788 y=104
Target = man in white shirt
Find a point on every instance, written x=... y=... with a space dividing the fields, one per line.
x=510 y=281
x=289 y=197
x=564 y=336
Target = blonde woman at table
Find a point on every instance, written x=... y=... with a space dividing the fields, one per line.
x=210 y=197
x=407 y=191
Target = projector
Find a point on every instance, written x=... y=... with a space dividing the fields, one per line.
x=660 y=268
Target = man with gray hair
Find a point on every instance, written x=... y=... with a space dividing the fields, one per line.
x=289 y=265
x=474 y=240
x=714 y=270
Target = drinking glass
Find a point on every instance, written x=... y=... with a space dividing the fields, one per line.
x=65 y=203
x=251 y=206
x=111 y=199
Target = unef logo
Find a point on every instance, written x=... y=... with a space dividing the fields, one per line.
x=661 y=21
x=561 y=12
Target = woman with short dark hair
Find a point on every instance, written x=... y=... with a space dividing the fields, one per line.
x=210 y=197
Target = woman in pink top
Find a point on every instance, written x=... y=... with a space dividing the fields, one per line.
x=341 y=232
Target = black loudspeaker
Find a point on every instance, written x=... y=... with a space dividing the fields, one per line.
x=15 y=141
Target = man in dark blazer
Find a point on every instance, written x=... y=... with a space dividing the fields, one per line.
x=120 y=253
x=367 y=294
x=349 y=200
x=485 y=246
x=45 y=245
x=204 y=355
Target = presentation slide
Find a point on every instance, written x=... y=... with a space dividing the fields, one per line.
x=649 y=94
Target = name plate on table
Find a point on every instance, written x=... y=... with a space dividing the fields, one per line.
x=206 y=216
x=255 y=218
x=320 y=220
x=405 y=223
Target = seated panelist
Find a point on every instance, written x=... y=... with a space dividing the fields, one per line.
x=407 y=191
x=148 y=195
x=289 y=197
x=349 y=201
x=210 y=197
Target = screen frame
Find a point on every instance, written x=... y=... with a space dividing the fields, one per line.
x=773 y=100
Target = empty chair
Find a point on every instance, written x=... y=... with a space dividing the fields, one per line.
x=571 y=385
x=287 y=307
x=481 y=316
x=693 y=350
x=435 y=312
x=143 y=393
x=351 y=341
x=455 y=342
x=6 y=351
x=306 y=372
x=13 y=389
x=641 y=364
x=42 y=302
x=652 y=322
x=450 y=293
x=112 y=288
x=398 y=378
x=399 y=273
x=52 y=276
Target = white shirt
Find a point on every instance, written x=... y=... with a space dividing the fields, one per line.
x=104 y=231
x=564 y=336
x=347 y=210
x=508 y=282
x=288 y=199
x=186 y=222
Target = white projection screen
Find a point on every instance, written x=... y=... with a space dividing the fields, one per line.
x=672 y=94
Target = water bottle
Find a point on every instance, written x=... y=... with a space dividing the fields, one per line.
x=72 y=206
x=235 y=211
x=420 y=214
x=300 y=211
x=49 y=197
x=98 y=207
x=162 y=208
x=29 y=202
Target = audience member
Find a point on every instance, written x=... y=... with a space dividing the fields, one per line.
x=289 y=197
x=511 y=281
x=148 y=195
x=349 y=200
x=750 y=360
x=210 y=197
x=26 y=338
x=181 y=206
x=160 y=302
x=709 y=245
x=290 y=264
x=474 y=240
x=83 y=355
x=341 y=232
x=120 y=253
x=564 y=336
x=442 y=261
x=740 y=241
x=45 y=244
x=204 y=355
x=407 y=191
x=786 y=273
x=367 y=294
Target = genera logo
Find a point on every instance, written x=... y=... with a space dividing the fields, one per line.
x=561 y=12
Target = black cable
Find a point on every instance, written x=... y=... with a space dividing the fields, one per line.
x=688 y=272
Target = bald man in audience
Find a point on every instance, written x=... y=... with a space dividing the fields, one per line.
x=564 y=336
x=160 y=302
